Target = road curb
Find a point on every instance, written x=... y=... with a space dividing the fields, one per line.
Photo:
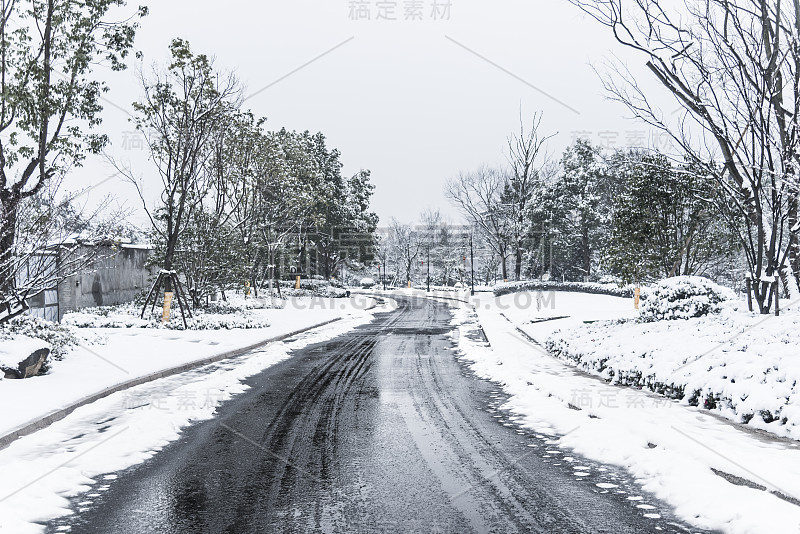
x=47 y=420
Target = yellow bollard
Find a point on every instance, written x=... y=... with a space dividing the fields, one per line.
x=409 y=284
x=297 y=282
x=247 y=288
x=636 y=294
x=167 y=305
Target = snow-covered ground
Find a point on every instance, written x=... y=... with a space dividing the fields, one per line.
x=686 y=456
x=540 y=314
x=81 y=452
x=118 y=355
x=743 y=366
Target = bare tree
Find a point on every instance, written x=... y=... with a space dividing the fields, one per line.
x=406 y=244
x=430 y=238
x=734 y=68
x=442 y=245
x=479 y=195
x=527 y=158
x=56 y=237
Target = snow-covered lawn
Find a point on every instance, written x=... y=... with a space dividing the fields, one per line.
x=744 y=366
x=118 y=355
x=571 y=310
x=40 y=472
x=687 y=456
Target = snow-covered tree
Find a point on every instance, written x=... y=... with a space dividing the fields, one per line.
x=733 y=66
x=569 y=219
x=50 y=103
x=664 y=223
x=182 y=110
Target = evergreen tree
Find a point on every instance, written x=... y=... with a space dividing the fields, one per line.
x=575 y=211
x=664 y=221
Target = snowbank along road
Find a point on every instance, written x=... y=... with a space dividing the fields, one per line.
x=378 y=430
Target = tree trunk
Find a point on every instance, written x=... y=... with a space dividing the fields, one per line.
x=762 y=295
x=518 y=263
x=686 y=266
x=586 y=253
x=794 y=240
x=7 y=236
x=168 y=262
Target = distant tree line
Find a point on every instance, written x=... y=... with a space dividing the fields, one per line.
x=434 y=248
x=631 y=215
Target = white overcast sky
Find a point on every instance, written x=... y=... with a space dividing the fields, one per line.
x=408 y=99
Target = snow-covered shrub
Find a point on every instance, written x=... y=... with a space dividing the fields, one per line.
x=313 y=288
x=607 y=279
x=61 y=338
x=240 y=305
x=683 y=297
x=552 y=285
x=732 y=362
x=204 y=321
x=218 y=317
x=367 y=282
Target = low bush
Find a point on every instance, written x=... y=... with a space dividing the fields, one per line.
x=60 y=338
x=219 y=316
x=552 y=285
x=313 y=288
x=683 y=297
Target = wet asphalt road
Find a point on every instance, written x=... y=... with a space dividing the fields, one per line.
x=379 y=430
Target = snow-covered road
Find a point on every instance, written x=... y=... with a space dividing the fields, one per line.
x=39 y=473
x=379 y=430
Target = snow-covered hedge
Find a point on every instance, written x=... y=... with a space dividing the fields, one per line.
x=240 y=305
x=313 y=288
x=732 y=362
x=683 y=297
x=577 y=287
x=367 y=282
x=221 y=317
